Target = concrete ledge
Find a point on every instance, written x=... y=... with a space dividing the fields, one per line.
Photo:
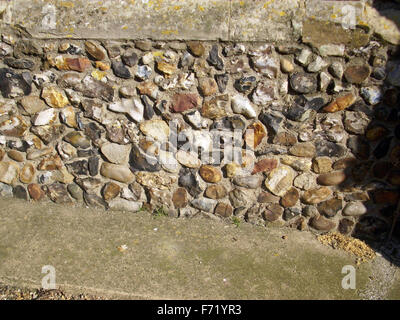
x=227 y=20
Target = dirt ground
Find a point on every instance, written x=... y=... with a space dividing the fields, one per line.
x=118 y=255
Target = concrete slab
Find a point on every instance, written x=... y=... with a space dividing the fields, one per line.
x=167 y=258
x=261 y=20
x=128 y=19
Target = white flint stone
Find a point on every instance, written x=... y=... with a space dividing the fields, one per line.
x=242 y=105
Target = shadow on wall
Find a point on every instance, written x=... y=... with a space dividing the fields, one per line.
x=376 y=167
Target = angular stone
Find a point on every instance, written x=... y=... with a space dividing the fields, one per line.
x=77 y=139
x=8 y=172
x=167 y=69
x=32 y=104
x=285 y=138
x=254 y=134
x=190 y=181
x=196 y=48
x=94 y=201
x=329 y=149
x=188 y=159
x=341 y=103
x=157 y=129
x=214 y=59
x=215 y=108
x=35 y=191
x=317 y=195
x=290 y=198
x=204 y=204
x=57 y=192
x=45 y=117
x=130 y=58
x=280 y=180
x=120 y=70
x=265 y=165
x=224 y=210
x=303 y=149
x=345 y=226
x=264 y=93
x=116 y=153
x=330 y=207
x=222 y=81
x=322 y=224
x=272 y=212
x=132 y=107
x=357 y=73
x=110 y=191
x=267 y=197
x=265 y=62
x=50 y=163
x=160 y=180
x=215 y=192
x=13 y=126
x=210 y=173
x=207 y=86
x=250 y=182
x=139 y=160
x=332 y=178
x=322 y=164
x=20 y=192
x=303 y=83
x=14 y=85
x=180 y=198
x=96 y=51
x=54 y=97
x=119 y=204
x=245 y=84
x=75 y=191
x=242 y=105
x=117 y=172
x=184 y=101
x=305 y=181
x=371 y=95
x=356 y=122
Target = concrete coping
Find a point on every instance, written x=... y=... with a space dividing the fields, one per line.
x=224 y=20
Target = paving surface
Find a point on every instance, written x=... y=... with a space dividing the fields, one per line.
x=166 y=258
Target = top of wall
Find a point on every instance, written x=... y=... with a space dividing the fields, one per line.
x=226 y=20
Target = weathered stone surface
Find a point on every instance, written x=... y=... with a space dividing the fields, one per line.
x=322 y=164
x=357 y=73
x=265 y=165
x=8 y=172
x=54 y=97
x=204 y=204
x=210 y=173
x=215 y=108
x=305 y=181
x=188 y=159
x=224 y=210
x=77 y=139
x=315 y=196
x=332 y=178
x=119 y=204
x=322 y=224
x=32 y=104
x=116 y=153
x=354 y=209
x=267 y=197
x=250 y=182
x=280 y=180
x=35 y=192
x=330 y=208
x=111 y=190
x=58 y=193
x=303 y=149
x=303 y=83
x=297 y=163
x=341 y=103
x=215 y=192
x=242 y=105
x=14 y=85
x=272 y=212
x=183 y=102
x=290 y=198
x=117 y=172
